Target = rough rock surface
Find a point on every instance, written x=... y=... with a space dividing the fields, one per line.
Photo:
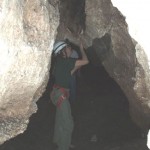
x=27 y=30
x=24 y=60
x=122 y=56
x=125 y=60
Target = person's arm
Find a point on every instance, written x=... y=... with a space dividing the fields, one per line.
x=80 y=62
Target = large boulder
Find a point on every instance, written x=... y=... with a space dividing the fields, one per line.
x=27 y=33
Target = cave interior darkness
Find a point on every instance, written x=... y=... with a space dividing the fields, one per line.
x=100 y=109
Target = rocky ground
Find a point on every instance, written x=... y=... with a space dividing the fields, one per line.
x=100 y=111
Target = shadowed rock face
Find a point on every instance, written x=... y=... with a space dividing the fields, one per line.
x=29 y=29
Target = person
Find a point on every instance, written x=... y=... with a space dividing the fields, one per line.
x=64 y=67
x=72 y=87
x=73 y=83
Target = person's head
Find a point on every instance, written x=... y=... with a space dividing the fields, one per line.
x=62 y=49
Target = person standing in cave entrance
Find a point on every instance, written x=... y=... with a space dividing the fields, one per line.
x=72 y=86
x=63 y=67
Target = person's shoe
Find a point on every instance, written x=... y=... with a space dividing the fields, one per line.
x=54 y=146
x=94 y=138
x=72 y=146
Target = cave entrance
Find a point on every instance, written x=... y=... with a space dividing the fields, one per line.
x=101 y=115
x=101 y=110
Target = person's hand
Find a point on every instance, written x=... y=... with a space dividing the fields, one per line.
x=80 y=33
x=81 y=43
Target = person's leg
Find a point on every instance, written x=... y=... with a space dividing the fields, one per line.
x=53 y=98
x=66 y=126
x=55 y=95
x=57 y=127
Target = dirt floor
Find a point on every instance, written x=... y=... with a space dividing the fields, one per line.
x=100 y=111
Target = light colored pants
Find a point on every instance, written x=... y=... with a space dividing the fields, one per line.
x=63 y=121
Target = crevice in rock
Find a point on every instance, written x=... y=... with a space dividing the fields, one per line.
x=99 y=49
x=72 y=15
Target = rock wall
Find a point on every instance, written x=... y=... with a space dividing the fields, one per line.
x=126 y=60
x=28 y=29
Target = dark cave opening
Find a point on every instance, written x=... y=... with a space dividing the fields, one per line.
x=106 y=105
x=100 y=109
